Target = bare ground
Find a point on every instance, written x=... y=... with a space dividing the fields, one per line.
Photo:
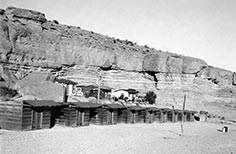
x=199 y=138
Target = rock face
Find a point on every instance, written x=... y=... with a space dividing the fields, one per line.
x=30 y=43
x=36 y=85
x=166 y=62
x=7 y=78
x=25 y=14
x=234 y=78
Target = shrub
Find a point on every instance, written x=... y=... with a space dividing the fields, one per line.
x=150 y=97
x=55 y=21
x=122 y=96
x=7 y=92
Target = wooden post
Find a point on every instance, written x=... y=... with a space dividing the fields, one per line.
x=112 y=117
x=184 y=103
x=99 y=86
x=82 y=118
x=134 y=117
x=98 y=91
x=77 y=117
x=182 y=128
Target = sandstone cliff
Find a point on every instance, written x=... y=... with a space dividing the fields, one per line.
x=30 y=43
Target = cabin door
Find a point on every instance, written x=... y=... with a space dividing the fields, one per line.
x=81 y=118
x=78 y=118
x=37 y=119
x=112 y=118
x=109 y=117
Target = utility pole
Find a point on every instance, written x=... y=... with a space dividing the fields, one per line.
x=184 y=103
x=99 y=85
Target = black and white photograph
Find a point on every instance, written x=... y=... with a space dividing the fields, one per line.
x=118 y=77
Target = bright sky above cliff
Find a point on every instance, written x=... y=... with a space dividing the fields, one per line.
x=205 y=29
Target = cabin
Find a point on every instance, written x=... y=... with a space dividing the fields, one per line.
x=158 y=115
x=203 y=116
x=170 y=115
x=132 y=94
x=113 y=110
x=120 y=93
x=107 y=114
x=175 y=115
x=180 y=115
x=129 y=94
x=167 y=114
x=39 y=114
x=29 y=114
x=190 y=115
x=124 y=116
x=137 y=114
x=92 y=91
x=185 y=115
x=129 y=114
x=99 y=116
x=11 y=115
x=78 y=113
x=150 y=114
x=68 y=87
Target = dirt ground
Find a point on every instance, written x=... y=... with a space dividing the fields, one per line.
x=199 y=138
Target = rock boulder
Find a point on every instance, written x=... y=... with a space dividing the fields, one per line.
x=172 y=63
x=35 y=85
x=193 y=65
x=13 y=12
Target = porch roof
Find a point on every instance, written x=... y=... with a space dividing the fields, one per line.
x=153 y=109
x=65 y=81
x=41 y=103
x=136 y=108
x=114 y=106
x=85 y=104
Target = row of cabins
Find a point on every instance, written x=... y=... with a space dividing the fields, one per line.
x=41 y=114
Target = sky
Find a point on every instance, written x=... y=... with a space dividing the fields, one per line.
x=204 y=29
